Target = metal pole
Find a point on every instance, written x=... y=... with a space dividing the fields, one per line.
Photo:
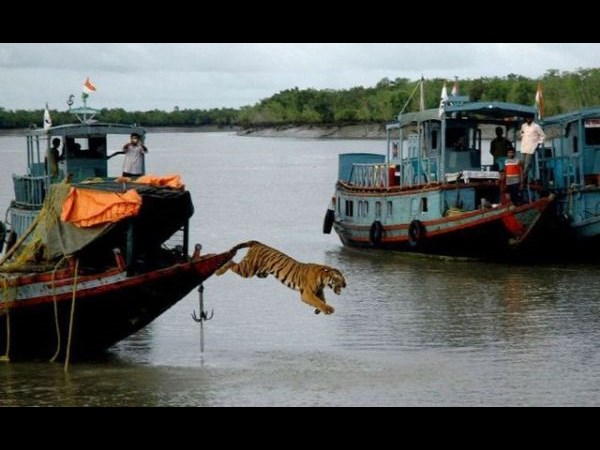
x=201 y=301
x=202 y=316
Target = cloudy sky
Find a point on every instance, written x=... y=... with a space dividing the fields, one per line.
x=162 y=76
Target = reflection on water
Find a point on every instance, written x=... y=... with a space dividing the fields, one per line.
x=407 y=330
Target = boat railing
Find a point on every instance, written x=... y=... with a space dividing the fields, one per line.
x=370 y=175
x=30 y=190
x=560 y=172
x=408 y=172
x=417 y=171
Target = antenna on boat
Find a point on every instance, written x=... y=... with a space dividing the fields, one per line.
x=84 y=114
x=422 y=98
x=412 y=94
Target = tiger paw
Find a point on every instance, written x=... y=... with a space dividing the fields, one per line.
x=317 y=311
x=328 y=309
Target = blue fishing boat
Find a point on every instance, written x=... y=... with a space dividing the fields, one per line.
x=569 y=166
x=430 y=193
x=87 y=259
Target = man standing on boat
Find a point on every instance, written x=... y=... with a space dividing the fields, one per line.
x=51 y=160
x=532 y=137
x=133 y=166
x=512 y=176
x=499 y=147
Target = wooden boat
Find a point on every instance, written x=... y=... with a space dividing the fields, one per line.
x=86 y=310
x=428 y=194
x=77 y=288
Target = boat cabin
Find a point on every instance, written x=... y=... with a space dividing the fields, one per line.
x=84 y=151
x=434 y=145
x=572 y=158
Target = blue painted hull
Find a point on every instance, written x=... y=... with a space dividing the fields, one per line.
x=499 y=232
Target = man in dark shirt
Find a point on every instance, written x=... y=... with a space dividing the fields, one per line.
x=499 y=147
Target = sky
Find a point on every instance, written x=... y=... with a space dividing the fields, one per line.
x=203 y=76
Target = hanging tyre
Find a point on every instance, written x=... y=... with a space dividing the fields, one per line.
x=376 y=233
x=416 y=233
x=328 y=222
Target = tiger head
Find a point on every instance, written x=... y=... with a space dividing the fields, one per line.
x=333 y=278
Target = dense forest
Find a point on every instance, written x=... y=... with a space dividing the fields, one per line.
x=563 y=91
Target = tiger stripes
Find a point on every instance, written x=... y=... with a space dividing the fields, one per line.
x=310 y=279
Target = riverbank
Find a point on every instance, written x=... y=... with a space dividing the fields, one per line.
x=361 y=131
x=149 y=129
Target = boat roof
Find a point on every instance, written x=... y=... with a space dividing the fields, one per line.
x=83 y=129
x=573 y=115
x=476 y=110
x=495 y=110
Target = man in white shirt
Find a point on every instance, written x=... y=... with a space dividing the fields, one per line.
x=133 y=166
x=532 y=136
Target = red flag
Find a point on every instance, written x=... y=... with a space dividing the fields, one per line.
x=539 y=99
x=88 y=86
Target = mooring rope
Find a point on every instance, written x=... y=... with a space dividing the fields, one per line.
x=55 y=303
x=72 y=318
x=6 y=356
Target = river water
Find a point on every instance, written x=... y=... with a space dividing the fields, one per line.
x=407 y=331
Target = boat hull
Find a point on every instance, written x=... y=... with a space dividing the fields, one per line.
x=108 y=307
x=495 y=233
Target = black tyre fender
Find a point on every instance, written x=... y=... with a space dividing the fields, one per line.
x=328 y=221
x=416 y=233
x=376 y=233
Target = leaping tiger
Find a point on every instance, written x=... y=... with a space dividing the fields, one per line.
x=310 y=279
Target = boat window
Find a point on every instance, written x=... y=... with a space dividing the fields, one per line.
x=97 y=147
x=457 y=138
x=93 y=147
x=434 y=139
x=389 y=208
x=349 y=208
x=476 y=141
x=378 y=210
x=75 y=146
x=365 y=208
x=424 y=204
x=360 y=208
x=572 y=132
x=592 y=131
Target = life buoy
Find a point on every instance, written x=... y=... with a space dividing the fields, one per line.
x=416 y=233
x=376 y=233
x=328 y=221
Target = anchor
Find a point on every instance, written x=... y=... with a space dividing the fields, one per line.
x=203 y=316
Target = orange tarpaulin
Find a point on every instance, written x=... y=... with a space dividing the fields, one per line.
x=173 y=181
x=87 y=207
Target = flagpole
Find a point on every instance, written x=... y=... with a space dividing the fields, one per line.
x=422 y=96
x=539 y=100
